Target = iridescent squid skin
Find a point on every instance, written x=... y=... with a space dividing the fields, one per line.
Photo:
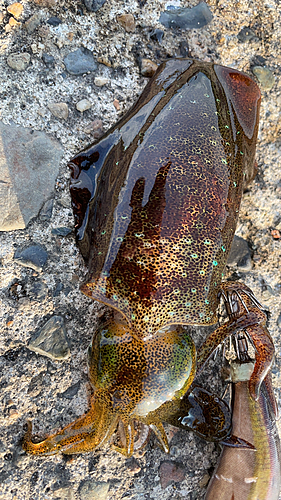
x=156 y=202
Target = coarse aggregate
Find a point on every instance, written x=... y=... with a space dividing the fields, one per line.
x=34 y=76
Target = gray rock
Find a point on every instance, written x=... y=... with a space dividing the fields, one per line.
x=80 y=61
x=33 y=22
x=18 y=62
x=187 y=18
x=264 y=76
x=38 y=290
x=93 y=5
x=29 y=165
x=240 y=256
x=279 y=321
x=48 y=59
x=34 y=256
x=51 y=340
x=61 y=231
x=93 y=490
x=46 y=210
x=246 y=35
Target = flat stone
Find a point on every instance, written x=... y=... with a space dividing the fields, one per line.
x=33 y=22
x=38 y=290
x=239 y=255
x=264 y=76
x=59 y=110
x=187 y=18
x=33 y=256
x=61 y=231
x=51 y=340
x=83 y=105
x=15 y=9
x=47 y=210
x=80 y=61
x=29 y=165
x=93 y=5
x=93 y=490
x=70 y=392
x=54 y=21
x=127 y=21
x=18 y=62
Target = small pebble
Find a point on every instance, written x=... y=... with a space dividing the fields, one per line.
x=99 y=81
x=59 y=110
x=46 y=210
x=116 y=104
x=61 y=231
x=33 y=256
x=127 y=21
x=93 y=490
x=83 y=105
x=264 y=76
x=93 y=5
x=54 y=21
x=148 y=67
x=38 y=290
x=157 y=35
x=13 y=22
x=18 y=62
x=95 y=127
x=70 y=392
x=51 y=340
x=170 y=472
x=15 y=9
x=279 y=321
x=104 y=60
x=80 y=61
x=275 y=234
x=187 y=18
x=183 y=48
x=48 y=59
x=239 y=255
x=33 y=22
x=246 y=35
x=46 y=3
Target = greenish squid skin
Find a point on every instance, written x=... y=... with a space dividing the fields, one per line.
x=156 y=203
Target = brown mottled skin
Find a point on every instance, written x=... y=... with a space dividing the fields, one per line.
x=156 y=202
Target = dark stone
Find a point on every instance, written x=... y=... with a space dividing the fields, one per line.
x=61 y=231
x=94 y=5
x=38 y=290
x=80 y=61
x=54 y=21
x=51 y=340
x=183 y=48
x=34 y=256
x=279 y=321
x=48 y=59
x=157 y=35
x=46 y=210
x=186 y=18
x=240 y=255
x=35 y=385
x=246 y=34
x=70 y=392
x=58 y=289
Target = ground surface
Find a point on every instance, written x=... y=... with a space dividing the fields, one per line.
x=32 y=385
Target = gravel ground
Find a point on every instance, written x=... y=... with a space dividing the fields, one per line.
x=53 y=392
